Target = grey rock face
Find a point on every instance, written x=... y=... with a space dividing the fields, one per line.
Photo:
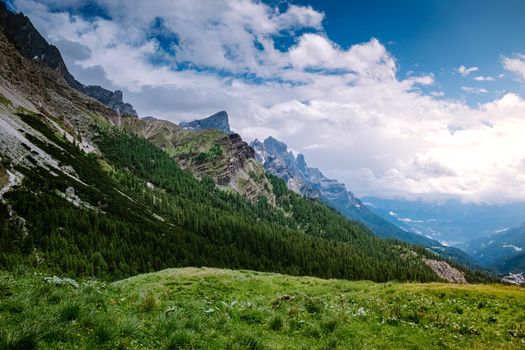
x=514 y=278
x=112 y=99
x=445 y=271
x=21 y=32
x=312 y=183
x=218 y=121
x=300 y=178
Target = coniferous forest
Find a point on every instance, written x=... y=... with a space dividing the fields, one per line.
x=117 y=234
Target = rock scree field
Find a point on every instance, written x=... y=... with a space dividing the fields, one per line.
x=204 y=308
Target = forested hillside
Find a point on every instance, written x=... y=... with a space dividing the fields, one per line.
x=135 y=210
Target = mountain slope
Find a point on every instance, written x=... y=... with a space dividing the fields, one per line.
x=218 y=121
x=82 y=196
x=21 y=32
x=504 y=251
x=450 y=221
x=311 y=182
x=224 y=157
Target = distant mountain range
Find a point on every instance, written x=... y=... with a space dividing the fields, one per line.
x=504 y=251
x=452 y=221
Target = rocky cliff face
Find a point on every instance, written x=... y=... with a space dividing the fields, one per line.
x=445 y=271
x=312 y=183
x=218 y=121
x=20 y=31
x=209 y=151
x=112 y=99
x=300 y=178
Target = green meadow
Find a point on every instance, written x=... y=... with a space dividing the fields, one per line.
x=202 y=308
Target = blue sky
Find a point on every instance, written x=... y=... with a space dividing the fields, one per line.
x=436 y=36
x=394 y=98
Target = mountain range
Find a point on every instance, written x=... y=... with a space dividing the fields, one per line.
x=88 y=188
x=312 y=183
x=452 y=221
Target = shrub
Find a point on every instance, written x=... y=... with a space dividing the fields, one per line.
x=249 y=342
x=313 y=305
x=5 y=101
x=104 y=331
x=329 y=326
x=26 y=337
x=251 y=316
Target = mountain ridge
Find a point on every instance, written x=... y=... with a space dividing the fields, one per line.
x=32 y=45
x=312 y=183
x=88 y=198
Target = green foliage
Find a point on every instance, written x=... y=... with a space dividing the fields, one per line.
x=212 y=154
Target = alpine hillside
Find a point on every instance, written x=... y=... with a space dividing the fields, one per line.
x=85 y=193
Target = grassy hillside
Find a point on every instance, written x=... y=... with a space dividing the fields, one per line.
x=193 y=308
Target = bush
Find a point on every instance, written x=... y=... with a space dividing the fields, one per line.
x=313 y=305
x=329 y=326
x=251 y=316
x=104 y=331
x=249 y=342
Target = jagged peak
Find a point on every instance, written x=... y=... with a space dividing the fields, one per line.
x=275 y=146
x=218 y=121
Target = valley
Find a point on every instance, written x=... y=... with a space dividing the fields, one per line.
x=126 y=230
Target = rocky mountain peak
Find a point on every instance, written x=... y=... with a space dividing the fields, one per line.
x=301 y=163
x=218 y=121
x=312 y=183
x=112 y=99
x=274 y=146
x=32 y=45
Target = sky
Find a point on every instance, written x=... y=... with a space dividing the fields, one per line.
x=414 y=99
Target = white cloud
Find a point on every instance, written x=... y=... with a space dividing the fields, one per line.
x=515 y=65
x=346 y=108
x=314 y=146
x=483 y=78
x=464 y=71
x=474 y=90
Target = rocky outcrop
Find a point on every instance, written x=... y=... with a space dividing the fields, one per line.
x=112 y=99
x=218 y=121
x=514 y=278
x=445 y=271
x=209 y=151
x=32 y=45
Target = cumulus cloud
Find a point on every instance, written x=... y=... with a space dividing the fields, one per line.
x=515 y=65
x=464 y=71
x=345 y=107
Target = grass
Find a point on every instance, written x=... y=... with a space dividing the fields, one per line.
x=194 y=308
